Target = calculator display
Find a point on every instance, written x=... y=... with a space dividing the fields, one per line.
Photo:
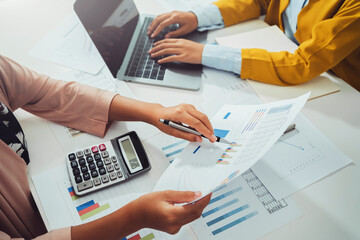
x=130 y=155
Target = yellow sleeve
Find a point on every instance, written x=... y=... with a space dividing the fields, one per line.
x=235 y=11
x=332 y=40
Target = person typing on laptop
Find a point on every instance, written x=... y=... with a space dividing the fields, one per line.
x=326 y=32
x=91 y=110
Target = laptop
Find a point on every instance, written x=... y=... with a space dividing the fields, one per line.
x=119 y=32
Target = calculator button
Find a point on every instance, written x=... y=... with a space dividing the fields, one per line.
x=85 y=185
x=105 y=179
x=107 y=161
x=87 y=151
x=112 y=176
x=76 y=171
x=94 y=149
x=92 y=166
x=73 y=164
x=110 y=168
x=102 y=171
x=78 y=179
x=79 y=154
x=119 y=174
x=117 y=166
x=102 y=147
x=97 y=181
x=72 y=156
x=97 y=156
x=99 y=164
x=82 y=161
x=84 y=168
x=94 y=173
x=86 y=176
x=89 y=159
x=113 y=159
x=104 y=154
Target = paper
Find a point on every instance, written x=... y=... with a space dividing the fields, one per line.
x=243 y=209
x=70 y=45
x=227 y=87
x=276 y=41
x=252 y=129
x=298 y=159
x=62 y=208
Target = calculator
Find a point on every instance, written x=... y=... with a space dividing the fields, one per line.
x=102 y=165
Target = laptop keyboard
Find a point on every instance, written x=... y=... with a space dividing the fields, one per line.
x=141 y=64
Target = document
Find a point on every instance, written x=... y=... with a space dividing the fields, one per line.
x=70 y=45
x=274 y=40
x=251 y=129
x=298 y=159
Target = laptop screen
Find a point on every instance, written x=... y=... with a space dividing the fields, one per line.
x=110 y=24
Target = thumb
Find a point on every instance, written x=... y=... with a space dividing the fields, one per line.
x=182 y=196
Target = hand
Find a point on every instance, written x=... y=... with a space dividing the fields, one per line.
x=180 y=50
x=157 y=210
x=186 y=20
x=184 y=113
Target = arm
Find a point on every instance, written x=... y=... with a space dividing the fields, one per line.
x=332 y=40
x=156 y=210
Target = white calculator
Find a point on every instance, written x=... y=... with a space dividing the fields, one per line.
x=108 y=163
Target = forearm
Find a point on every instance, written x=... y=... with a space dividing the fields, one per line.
x=126 y=109
x=116 y=225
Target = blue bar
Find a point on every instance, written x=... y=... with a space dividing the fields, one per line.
x=227 y=115
x=70 y=189
x=173 y=145
x=196 y=149
x=229 y=214
x=214 y=210
x=220 y=133
x=238 y=189
x=85 y=205
x=220 y=187
x=240 y=220
x=280 y=109
x=174 y=152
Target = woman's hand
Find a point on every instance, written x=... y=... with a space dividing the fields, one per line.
x=187 y=23
x=157 y=210
x=177 y=50
x=184 y=113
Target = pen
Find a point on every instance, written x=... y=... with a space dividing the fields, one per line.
x=184 y=128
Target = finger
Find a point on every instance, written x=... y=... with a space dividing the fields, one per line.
x=162 y=46
x=156 y=22
x=174 y=58
x=181 y=196
x=165 y=23
x=167 y=40
x=181 y=134
x=193 y=211
x=168 y=51
x=206 y=128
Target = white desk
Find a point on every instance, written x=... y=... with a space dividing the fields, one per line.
x=331 y=206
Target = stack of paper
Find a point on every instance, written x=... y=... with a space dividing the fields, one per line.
x=274 y=40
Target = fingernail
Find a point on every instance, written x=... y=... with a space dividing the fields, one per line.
x=197 y=194
x=198 y=139
x=214 y=137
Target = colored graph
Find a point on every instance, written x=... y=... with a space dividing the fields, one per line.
x=138 y=237
x=228 y=153
x=173 y=149
x=221 y=133
x=87 y=209
x=254 y=120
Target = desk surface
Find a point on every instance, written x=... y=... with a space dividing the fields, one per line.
x=330 y=206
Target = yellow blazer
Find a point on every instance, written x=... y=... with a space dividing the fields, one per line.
x=328 y=32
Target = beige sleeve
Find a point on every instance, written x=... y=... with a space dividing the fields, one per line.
x=67 y=103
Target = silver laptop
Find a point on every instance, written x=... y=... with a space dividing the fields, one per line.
x=119 y=32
